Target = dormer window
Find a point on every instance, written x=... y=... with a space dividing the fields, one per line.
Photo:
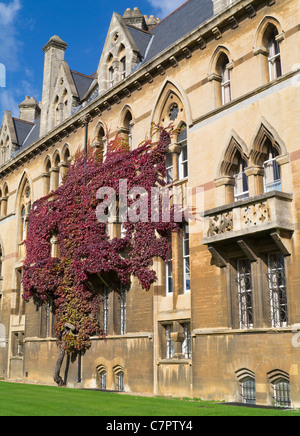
x=123 y=68
x=111 y=77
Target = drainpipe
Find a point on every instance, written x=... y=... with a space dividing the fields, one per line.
x=79 y=379
x=86 y=126
x=85 y=122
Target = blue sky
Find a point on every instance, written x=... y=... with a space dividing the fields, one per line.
x=27 y=25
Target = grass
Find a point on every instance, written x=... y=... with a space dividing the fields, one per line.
x=34 y=400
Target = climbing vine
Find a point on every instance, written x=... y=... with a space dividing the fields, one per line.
x=85 y=249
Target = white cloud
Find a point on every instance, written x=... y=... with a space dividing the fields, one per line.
x=9 y=52
x=9 y=43
x=8 y=102
x=165 y=7
x=8 y=12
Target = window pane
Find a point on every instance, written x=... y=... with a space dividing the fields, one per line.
x=244 y=281
x=274 y=58
x=103 y=378
x=169 y=167
x=170 y=344
x=186 y=260
x=123 y=311
x=272 y=179
x=277 y=290
x=105 y=311
x=187 y=343
x=248 y=391
x=120 y=377
x=282 y=393
x=169 y=270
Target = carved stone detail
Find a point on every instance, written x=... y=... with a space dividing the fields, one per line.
x=220 y=224
x=255 y=214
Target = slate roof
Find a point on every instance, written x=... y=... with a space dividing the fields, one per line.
x=82 y=83
x=22 y=129
x=141 y=38
x=27 y=133
x=180 y=23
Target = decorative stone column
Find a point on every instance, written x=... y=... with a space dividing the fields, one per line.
x=216 y=80
x=3 y=208
x=255 y=174
x=46 y=183
x=55 y=252
x=175 y=149
x=178 y=338
x=63 y=171
x=225 y=190
x=285 y=173
x=54 y=179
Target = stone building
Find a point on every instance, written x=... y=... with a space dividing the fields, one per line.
x=222 y=321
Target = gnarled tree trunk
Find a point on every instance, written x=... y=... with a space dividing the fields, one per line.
x=57 y=378
x=69 y=328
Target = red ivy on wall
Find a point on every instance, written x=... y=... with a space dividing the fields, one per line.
x=85 y=248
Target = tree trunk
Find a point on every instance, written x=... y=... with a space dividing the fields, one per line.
x=56 y=376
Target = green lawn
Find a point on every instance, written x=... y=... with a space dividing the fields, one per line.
x=32 y=400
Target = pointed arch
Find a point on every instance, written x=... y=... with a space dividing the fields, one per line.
x=66 y=154
x=47 y=164
x=124 y=112
x=100 y=131
x=231 y=169
x=235 y=147
x=220 y=51
x=267 y=21
x=263 y=137
x=100 y=139
x=126 y=123
x=56 y=159
x=170 y=87
x=220 y=67
x=5 y=190
x=23 y=206
x=244 y=373
x=24 y=181
x=46 y=174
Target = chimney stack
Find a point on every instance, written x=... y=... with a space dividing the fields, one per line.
x=29 y=109
x=135 y=18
